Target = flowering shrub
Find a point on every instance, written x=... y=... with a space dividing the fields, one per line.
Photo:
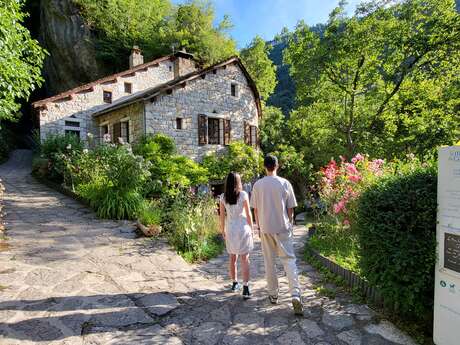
x=341 y=184
x=110 y=177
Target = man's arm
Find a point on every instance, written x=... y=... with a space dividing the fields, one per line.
x=291 y=215
x=256 y=215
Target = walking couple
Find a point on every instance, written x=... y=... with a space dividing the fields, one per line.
x=273 y=201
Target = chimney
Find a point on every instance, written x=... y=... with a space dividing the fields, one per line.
x=183 y=63
x=136 y=57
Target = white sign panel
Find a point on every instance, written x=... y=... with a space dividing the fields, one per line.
x=447 y=275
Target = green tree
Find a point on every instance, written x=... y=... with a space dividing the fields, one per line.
x=192 y=27
x=260 y=67
x=120 y=24
x=388 y=75
x=273 y=129
x=157 y=27
x=21 y=59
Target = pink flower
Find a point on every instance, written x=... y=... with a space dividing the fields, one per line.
x=354 y=178
x=346 y=222
x=340 y=206
x=357 y=158
x=353 y=173
x=376 y=166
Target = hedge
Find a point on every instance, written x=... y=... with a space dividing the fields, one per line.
x=396 y=226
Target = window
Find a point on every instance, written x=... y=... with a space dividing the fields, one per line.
x=125 y=131
x=178 y=123
x=253 y=136
x=170 y=68
x=233 y=89
x=202 y=129
x=103 y=132
x=107 y=95
x=121 y=130
x=72 y=123
x=128 y=88
x=250 y=134
x=213 y=131
x=73 y=132
x=227 y=132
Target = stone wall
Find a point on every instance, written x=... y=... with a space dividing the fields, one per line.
x=210 y=96
x=80 y=106
x=134 y=113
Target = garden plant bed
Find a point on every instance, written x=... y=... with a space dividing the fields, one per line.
x=353 y=280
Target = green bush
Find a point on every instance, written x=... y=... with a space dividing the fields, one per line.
x=396 y=227
x=194 y=227
x=110 y=203
x=59 y=149
x=238 y=157
x=110 y=177
x=170 y=173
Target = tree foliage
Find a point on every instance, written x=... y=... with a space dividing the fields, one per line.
x=21 y=59
x=260 y=67
x=383 y=82
x=239 y=157
x=158 y=27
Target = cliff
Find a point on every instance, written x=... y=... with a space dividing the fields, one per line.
x=72 y=57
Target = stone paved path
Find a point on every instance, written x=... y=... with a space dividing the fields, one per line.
x=67 y=277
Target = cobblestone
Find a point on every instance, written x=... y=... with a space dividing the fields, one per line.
x=69 y=278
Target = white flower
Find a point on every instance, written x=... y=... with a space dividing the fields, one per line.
x=85 y=150
x=90 y=135
x=106 y=138
x=68 y=147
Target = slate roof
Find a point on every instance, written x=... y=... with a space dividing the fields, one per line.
x=148 y=94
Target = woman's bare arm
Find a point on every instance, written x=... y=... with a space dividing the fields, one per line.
x=222 y=217
x=248 y=212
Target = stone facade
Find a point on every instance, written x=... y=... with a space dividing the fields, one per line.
x=167 y=97
x=133 y=114
x=210 y=96
x=78 y=107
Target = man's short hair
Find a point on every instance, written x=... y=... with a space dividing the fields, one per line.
x=270 y=162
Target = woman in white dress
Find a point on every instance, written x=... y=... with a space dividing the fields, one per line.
x=236 y=227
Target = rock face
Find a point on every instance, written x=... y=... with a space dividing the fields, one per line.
x=72 y=55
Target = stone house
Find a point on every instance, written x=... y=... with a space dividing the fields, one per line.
x=203 y=109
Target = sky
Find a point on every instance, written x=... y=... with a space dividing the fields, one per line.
x=266 y=18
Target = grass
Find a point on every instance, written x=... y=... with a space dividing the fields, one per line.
x=193 y=228
x=337 y=250
x=208 y=249
x=337 y=243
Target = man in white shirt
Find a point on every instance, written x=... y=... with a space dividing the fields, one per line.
x=274 y=201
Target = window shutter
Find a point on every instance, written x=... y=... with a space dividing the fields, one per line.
x=116 y=132
x=227 y=132
x=258 y=137
x=247 y=133
x=202 y=129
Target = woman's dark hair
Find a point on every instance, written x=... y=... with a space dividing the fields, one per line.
x=232 y=191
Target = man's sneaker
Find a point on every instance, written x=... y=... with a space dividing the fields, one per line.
x=273 y=299
x=246 y=293
x=297 y=305
x=235 y=286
